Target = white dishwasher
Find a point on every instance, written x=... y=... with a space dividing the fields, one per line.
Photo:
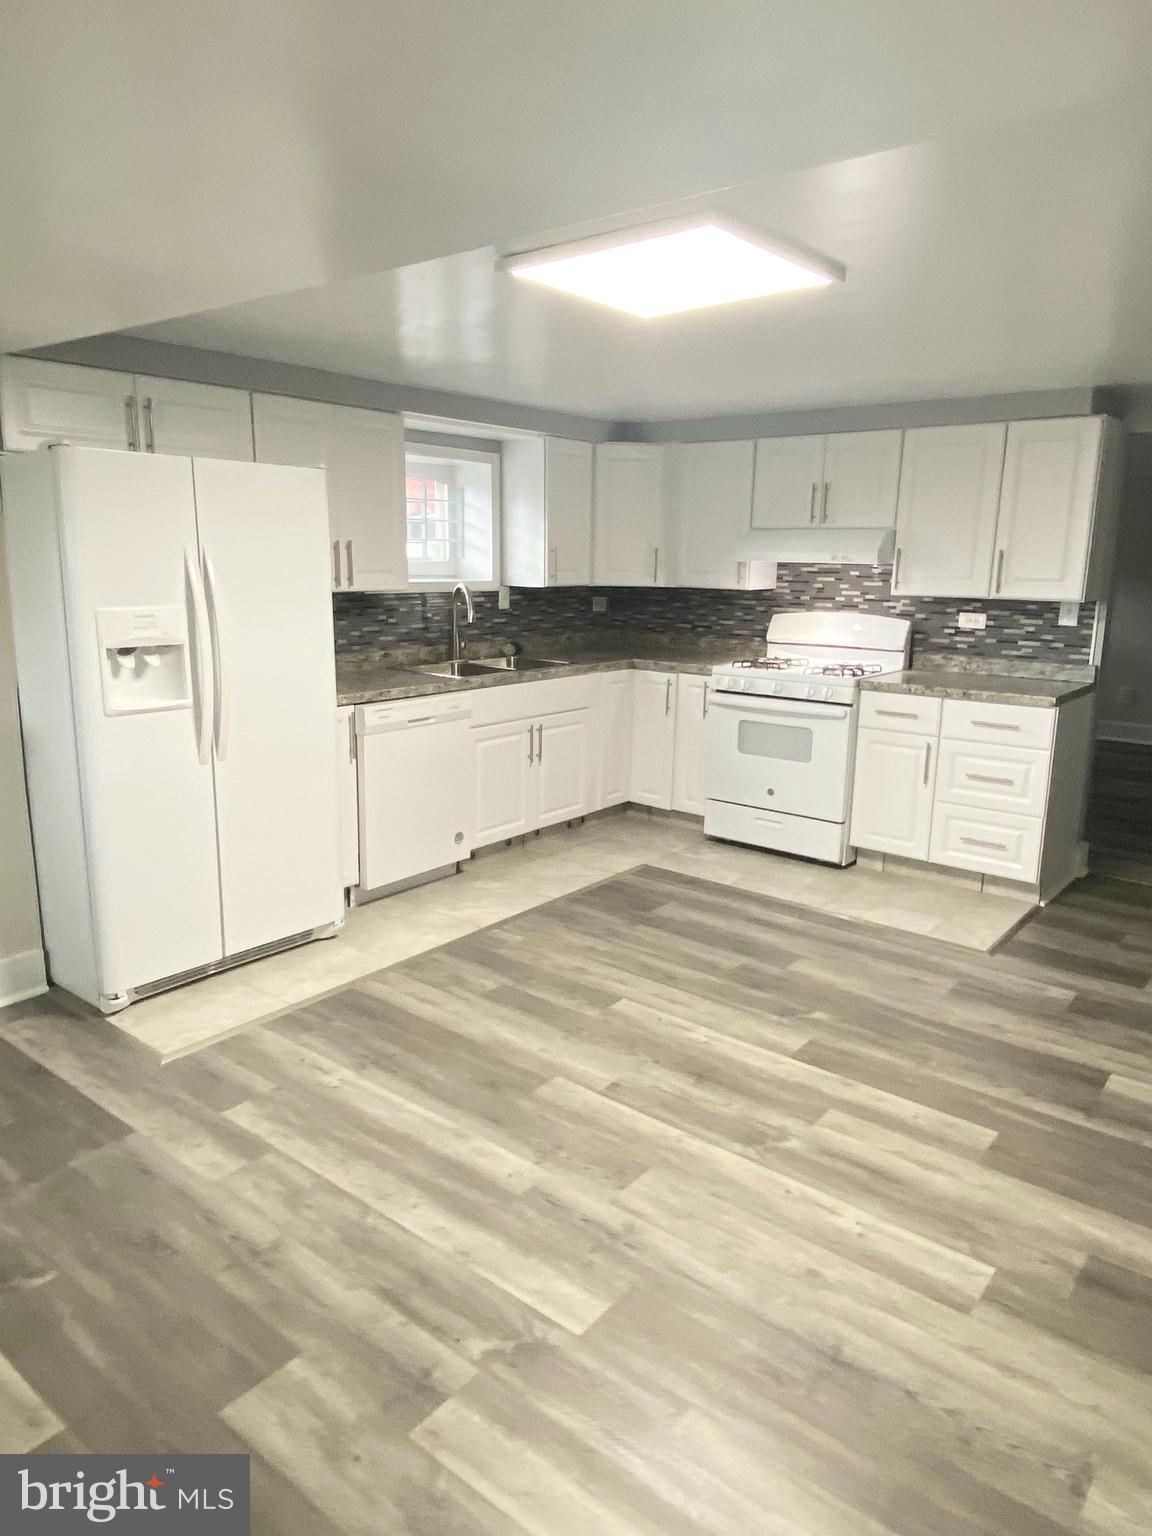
x=414 y=766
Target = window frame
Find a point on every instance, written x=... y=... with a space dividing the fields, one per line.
x=448 y=454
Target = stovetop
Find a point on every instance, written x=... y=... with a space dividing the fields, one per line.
x=822 y=678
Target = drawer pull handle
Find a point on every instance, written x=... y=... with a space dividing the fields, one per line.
x=996 y=725
x=988 y=778
x=900 y=714
x=981 y=842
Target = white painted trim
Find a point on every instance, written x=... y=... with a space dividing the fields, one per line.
x=1124 y=730
x=22 y=976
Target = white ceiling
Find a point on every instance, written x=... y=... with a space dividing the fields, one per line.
x=981 y=168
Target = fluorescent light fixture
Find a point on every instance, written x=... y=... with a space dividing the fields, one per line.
x=675 y=265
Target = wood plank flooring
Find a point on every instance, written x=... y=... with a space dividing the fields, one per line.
x=663 y=1208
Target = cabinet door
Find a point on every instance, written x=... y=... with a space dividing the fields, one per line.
x=200 y=419
x=687 y=778
x=892 y=794
x=366 y=506
x=568 y=499
x=505 y=777
x=349 y=797
x=946 y=514
x=563 y=767
x=616 y=738
x=711 y=505
x=288 y=431
x=628 y=515
x=861 y=480
x=57 y=403
x=1047 y=507
x=653 y=738
x=789 y=473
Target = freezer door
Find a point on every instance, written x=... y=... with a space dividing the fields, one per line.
x=128 y=547
x=264 y=550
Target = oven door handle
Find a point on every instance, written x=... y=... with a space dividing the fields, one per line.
x=776 y=709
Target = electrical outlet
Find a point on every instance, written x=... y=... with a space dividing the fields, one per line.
x=1069 y=613
x=599 y=603
x=972 y=620
x=505 y=600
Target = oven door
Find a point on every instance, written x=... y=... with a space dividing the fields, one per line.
x=782 y=754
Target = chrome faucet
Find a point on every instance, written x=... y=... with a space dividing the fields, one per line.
x=469 y=617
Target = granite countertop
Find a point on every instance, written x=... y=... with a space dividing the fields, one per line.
x=982 y=687
x=373 y=683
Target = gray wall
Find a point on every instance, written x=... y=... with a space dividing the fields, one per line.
x=1124 y=708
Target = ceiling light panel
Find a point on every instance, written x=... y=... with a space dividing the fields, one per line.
x=667 y=270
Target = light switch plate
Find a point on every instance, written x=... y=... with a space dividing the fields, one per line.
x=1069 y=613
x=599 y=603
x=972 y=620
x=505 y=601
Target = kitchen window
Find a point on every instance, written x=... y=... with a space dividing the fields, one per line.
x=452 y=506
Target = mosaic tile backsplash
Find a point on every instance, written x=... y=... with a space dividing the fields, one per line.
x=1016 y=631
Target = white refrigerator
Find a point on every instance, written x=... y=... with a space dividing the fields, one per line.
x=173 y=629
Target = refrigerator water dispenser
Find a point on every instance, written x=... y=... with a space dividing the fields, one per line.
x=143 y=659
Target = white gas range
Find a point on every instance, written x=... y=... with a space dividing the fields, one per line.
x=780 y=734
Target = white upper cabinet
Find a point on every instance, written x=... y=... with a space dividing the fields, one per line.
x=861 y=479
x=789 y=477
x=710 y=505
x=628 y=516
x=547 y=495
x=946 y=518
x=43 y=402
x=363 y=453
x=846 y=480
x=194 y=419
x=1047 y=507
x=57 y=403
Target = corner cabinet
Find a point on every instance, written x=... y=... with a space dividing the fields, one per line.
x=710 y=507
x=628 y=526
x=1023 y=510
x=546 y=488
x=363 y=454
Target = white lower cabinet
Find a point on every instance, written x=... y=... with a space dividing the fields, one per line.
x=504 y=756
x=653 y=738
x=892 y=794
x=349 y=819
x=688 y=752
x=998 y=789
x=533 y=770
x=563 y=764
x=615 y=721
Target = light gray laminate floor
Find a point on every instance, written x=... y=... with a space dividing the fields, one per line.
x=507 y=880
x=663 y=1209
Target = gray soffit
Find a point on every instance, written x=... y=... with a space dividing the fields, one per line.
x=139 y=354
x=862 y=418
x=196 y=365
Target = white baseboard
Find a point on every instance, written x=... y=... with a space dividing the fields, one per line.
x=22 y=976
x=1124 y=730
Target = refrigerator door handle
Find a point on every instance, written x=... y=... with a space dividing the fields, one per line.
x=219 y=677
x=204 y=680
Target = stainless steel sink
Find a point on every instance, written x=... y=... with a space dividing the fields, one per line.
x=453 y=669
x=519 y=663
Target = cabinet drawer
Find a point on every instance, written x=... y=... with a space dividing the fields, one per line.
x=900 y=712
x=1015 y=725
x=993 y=842
x=993 y=777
